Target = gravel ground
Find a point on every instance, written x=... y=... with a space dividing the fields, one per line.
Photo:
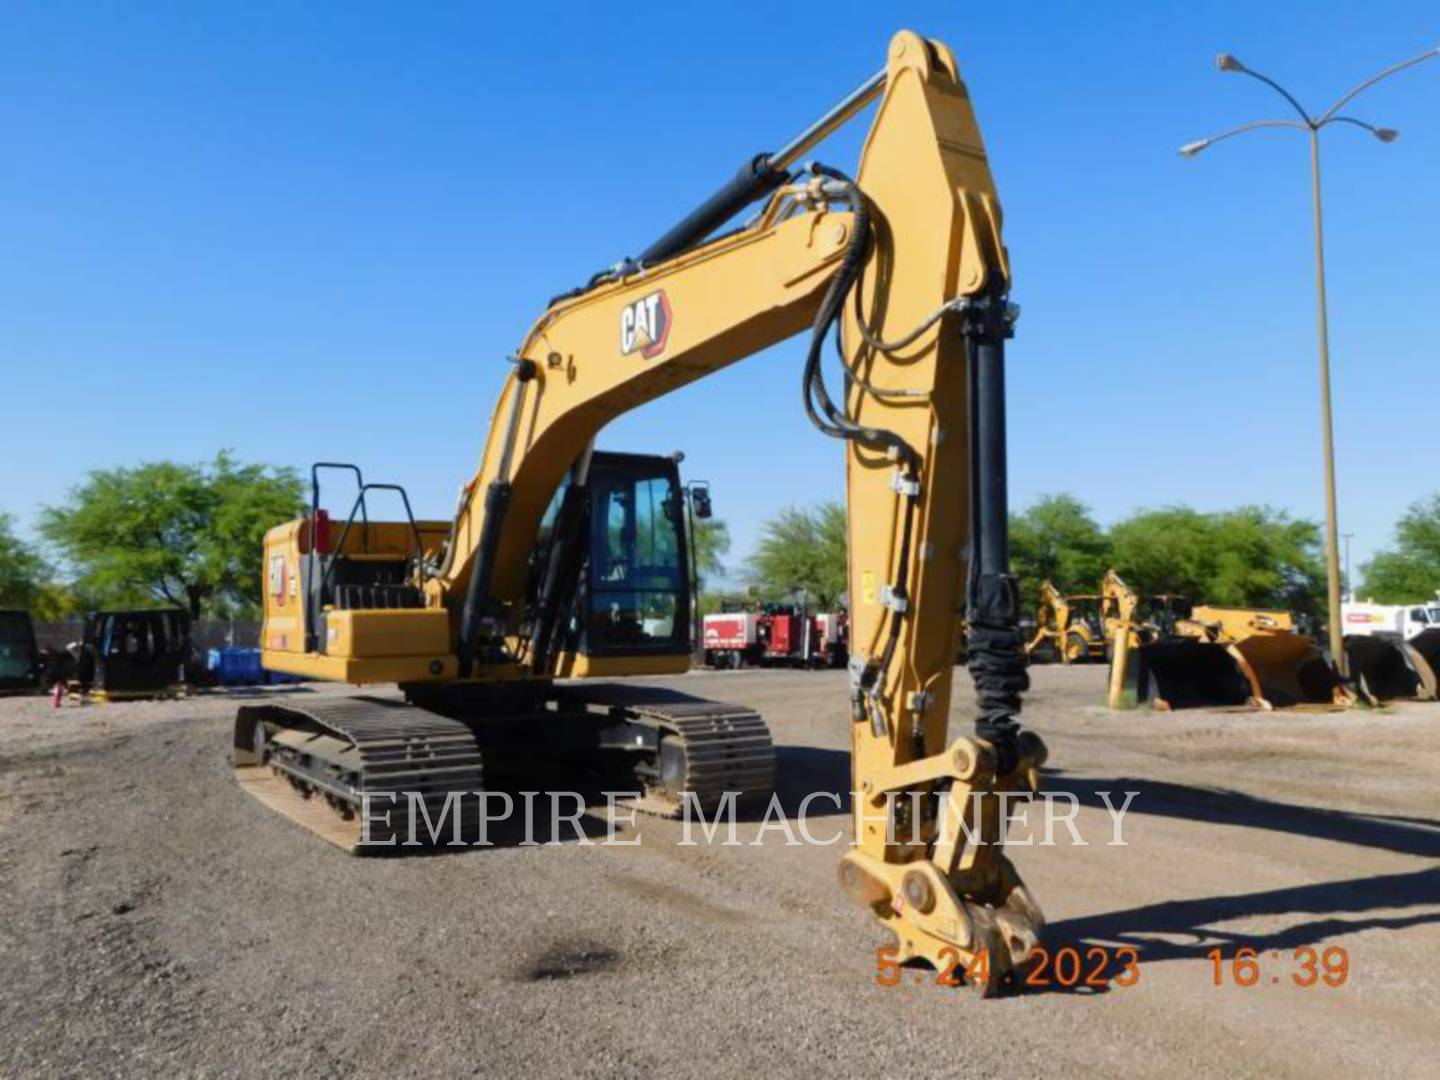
x=157 y=920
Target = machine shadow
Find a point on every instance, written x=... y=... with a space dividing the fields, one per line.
x=1221 y=806
x=1157 y=932
x=802 y=772
x=1185 y=929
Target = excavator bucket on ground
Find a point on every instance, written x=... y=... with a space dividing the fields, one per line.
x=1426 y=647
x=1221 y=657
x=1290 y=670
x=1388 y=669
x=1186 y=673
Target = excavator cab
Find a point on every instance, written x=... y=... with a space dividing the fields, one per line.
x=633 y=597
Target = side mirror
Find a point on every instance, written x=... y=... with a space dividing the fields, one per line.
x=700 y=501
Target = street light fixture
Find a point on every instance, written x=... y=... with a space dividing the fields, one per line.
x=1312 y=125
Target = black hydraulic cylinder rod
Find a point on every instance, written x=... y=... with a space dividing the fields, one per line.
x=497 y=504
x=756 y=179
x=562 y=572
x=992 y=497
x=996 y=651
x=477 y=592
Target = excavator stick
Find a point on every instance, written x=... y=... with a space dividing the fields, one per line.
x=924 y=417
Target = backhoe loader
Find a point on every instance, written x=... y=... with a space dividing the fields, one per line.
x=1124 y=612
x=1068 y=629
x=564 y=562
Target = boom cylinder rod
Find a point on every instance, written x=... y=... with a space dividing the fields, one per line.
x=497 y=505
x=758 y=177
x=856 y=100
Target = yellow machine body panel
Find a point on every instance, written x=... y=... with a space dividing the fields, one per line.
x=362 y=646
x=1237 y=624
x=571 y=665
x=361 y=635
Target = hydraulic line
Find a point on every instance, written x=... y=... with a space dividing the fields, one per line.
x=819 y=405
x=996 y=649
x=823 y=413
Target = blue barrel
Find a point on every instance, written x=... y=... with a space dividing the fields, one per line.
x=234 y=666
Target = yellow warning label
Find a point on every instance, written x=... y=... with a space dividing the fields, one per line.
x=867 y=587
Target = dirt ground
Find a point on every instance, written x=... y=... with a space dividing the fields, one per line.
x=157 y=920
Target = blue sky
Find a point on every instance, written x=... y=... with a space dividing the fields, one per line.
x=314 y=230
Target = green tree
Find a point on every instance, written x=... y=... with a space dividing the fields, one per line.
x=1411 y=571
x=1254 y=556
x=188 y=535
x=712 y=602
x=802 y=549
x=712 y=541
x=23 y=572
x=1056 y=538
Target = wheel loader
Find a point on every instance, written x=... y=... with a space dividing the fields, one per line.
x=565 y=567
x=1214 y=657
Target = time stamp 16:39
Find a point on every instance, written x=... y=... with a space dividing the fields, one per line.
x=1304 y=967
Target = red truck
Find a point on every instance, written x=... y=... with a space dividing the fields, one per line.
x=776 y=635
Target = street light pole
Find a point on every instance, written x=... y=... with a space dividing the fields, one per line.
x=1312 y=125
x=1327 y=426
x=1349 y=584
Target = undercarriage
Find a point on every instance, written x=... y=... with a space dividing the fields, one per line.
x=370 y=772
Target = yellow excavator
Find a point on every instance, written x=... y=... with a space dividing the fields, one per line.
x=563 y=562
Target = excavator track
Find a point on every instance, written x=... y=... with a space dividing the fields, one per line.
x=707 y=748
x=315 y=764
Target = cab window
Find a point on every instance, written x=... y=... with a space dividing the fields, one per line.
x=637 y=588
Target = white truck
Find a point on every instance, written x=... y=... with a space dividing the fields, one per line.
x=1403 y=621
